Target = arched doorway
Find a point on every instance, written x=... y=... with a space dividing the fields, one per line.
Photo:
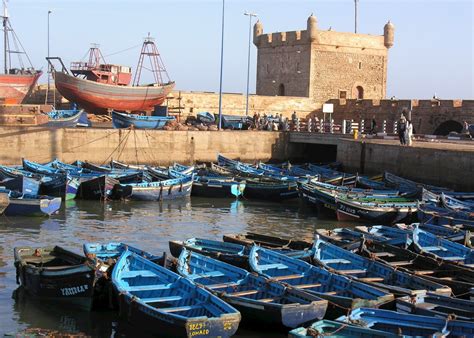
x=448 y=126
x=360 y=92
x=281 y=90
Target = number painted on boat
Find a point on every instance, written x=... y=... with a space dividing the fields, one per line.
x=74 y=290
x=197 y=329
x=228 y=325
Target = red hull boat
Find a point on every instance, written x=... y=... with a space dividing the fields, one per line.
x=15 y=87
x=100 y=87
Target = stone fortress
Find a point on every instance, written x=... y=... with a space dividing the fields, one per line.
x=322 y=65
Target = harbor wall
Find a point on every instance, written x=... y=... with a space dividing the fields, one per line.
x=450 y=168
x=140 y=146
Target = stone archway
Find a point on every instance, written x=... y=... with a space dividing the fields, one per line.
x=281 y=90
x=360 y=92
x=448 y=126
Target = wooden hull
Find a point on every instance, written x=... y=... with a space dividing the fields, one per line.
x=32 y=207
x=64 y=275
x=270 y=191
x=218 y=189
x=14 y=88
x=98 y=98
x=152 y=192
x=97 y=188
x=66 y=122
x=120 y=120
x=332 y=328
x=251 y=238
x=22 y=184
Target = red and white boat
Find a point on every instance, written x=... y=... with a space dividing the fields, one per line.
x=99 y=87
x=15 y=83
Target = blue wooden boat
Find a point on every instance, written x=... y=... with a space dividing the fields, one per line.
x=270 y=190
x=452 y=233
x=386 y=234
x=121 y=120
x=440 y=248
x=372 y=272
x=435 y=305
x=331 y=328
x=460 y=279
x=350 y=238
x=68 y=118
x=267 y=241
x=378 y=211
x=56 y=274
x=367 y=183
x=206 y=117
x=217 y=187
x=113 y=250
x=40 y=168
x=341 y=292
x=22 y=184
x=155 y=191
x=409 y=187
x=259 y=300
x=408 y=325
x=160 y=301
x=230 y=253
x=30 y=205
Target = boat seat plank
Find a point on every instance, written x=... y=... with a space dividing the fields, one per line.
x=273 y=266
x=244 y=293
x=266 y=300
x=352 y=272
x=287 y=277
x=336 y=260
x=454 y=258
x=383 y=254
x=207 y=274
x=148 y=287
x=142 y=273
x=180 y=308
x=371 y=279
x=425 y=272
x=222 y=285
x=308 y=286
x=434 y=248
x=400 y=263
x=161 y=299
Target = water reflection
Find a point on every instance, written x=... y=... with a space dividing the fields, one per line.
x=147 y=225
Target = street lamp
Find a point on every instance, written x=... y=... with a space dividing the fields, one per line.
x=222 y=64
x=355 y=15
x=250 y=15
x=49 y=66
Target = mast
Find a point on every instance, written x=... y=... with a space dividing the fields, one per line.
x=157 y=66
x=5 y=36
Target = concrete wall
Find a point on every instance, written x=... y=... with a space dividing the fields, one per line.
x=193 y=102
x=444 y=167
x=427 y=115
x=132 y=146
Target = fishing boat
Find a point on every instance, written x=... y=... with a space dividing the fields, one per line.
x=440 y=248
x=434 y=305
x=379 y=211
x=393 y=235
x=113 y=250
x=167 y=305
x=98 y=86
x=341 y=292
x=460 y=279
x=154 y=191
x=258 y=299
x=15 y=83
x=270 y=190
x=221 y=187
x=230 y=253
x=22 y=184
x=408 y=325
x=372 y=272
x=206 y=117
x=122 y=120
x=453 y=233
x=56 y=274
x=68 y=118
x=251 y=238
x=331 y=328
x=30 y=205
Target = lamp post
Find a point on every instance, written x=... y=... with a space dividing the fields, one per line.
x=250 y=15
x=222 y=64
x=49 y=66
x=355 y=15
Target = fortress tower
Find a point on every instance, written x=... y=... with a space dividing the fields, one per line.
x=322 y=65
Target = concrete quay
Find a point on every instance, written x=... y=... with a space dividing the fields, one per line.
x=447 y=163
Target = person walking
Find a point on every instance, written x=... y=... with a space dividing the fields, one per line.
x=373 y=126
x=402 y=127
x=409 y=133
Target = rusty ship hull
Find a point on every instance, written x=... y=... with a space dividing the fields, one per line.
x=15 y=87
x=99 y=97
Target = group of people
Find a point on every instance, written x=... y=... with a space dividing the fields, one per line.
x=405 y=131
x=265 y=122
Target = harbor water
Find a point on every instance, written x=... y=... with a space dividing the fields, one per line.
x=146 y=225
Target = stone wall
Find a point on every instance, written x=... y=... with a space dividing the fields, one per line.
x=192 y=103
x=438 y=166
x=142 y=146
x=427 y=115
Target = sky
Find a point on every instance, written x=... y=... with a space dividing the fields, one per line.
x=433 y=51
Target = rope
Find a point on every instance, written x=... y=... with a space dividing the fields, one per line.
x=123 y=50
x=136 y=150
x=118 y=146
